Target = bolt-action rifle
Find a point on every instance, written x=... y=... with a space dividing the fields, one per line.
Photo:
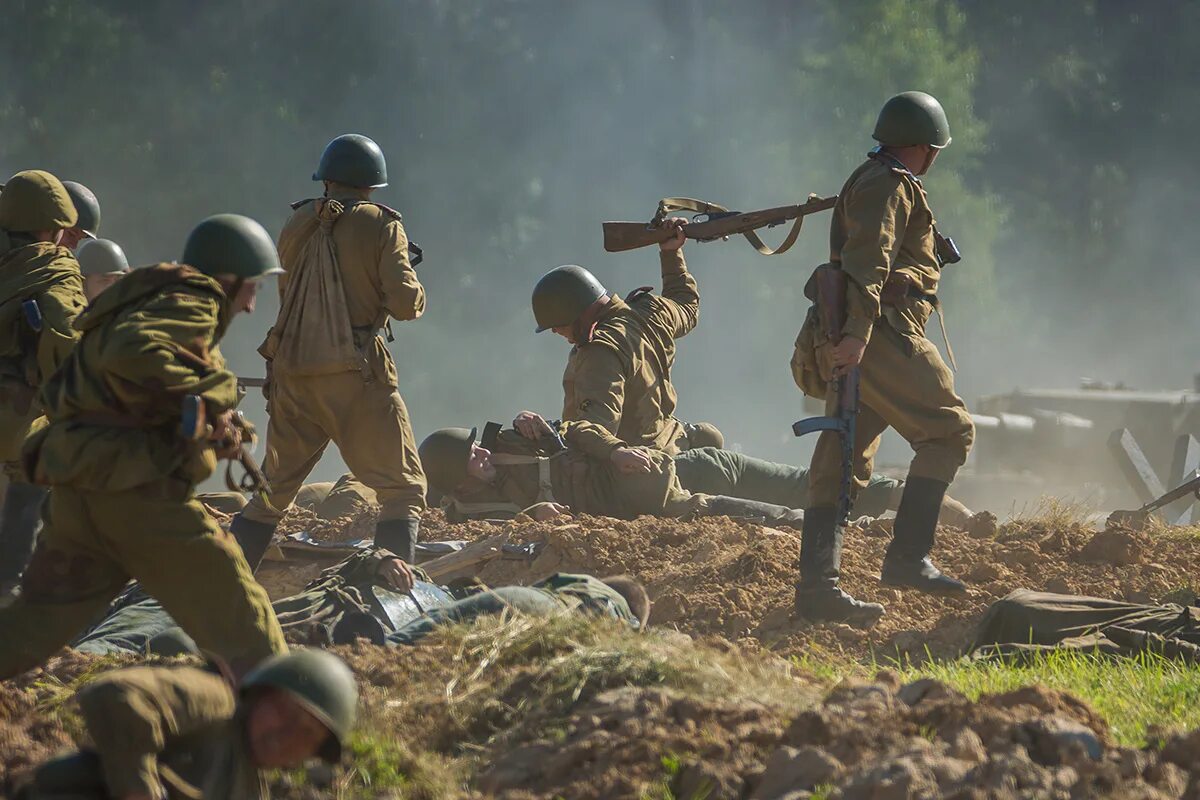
x=712 y=222
x=194 y=427
x=831 y=307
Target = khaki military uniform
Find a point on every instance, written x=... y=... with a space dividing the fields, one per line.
x=172 y=732
x=883 y=228
x=620 y=378
x=122 y=503
x=360 y=410
x=48 y=274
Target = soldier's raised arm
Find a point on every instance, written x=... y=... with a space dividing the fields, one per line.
x=132 y=713
x=679 y=287
x=403 y=294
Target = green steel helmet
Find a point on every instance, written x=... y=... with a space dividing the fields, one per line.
x=563 y=294
x=101 y=257
x=230 y=244
x=354 y=160
x=87 y=205
x=444 y=457
x=320 y=683
x=912 y=118
x=35 y=200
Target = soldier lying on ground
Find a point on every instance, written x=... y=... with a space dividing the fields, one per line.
x=514 y=475
x=1027 y=622
x=186 y=732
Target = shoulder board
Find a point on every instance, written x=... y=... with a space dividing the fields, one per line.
x=638 y=292
x=300 y=203
x=391 y=212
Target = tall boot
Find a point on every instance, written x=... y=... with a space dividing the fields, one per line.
x=907 y=561
x=253 y=537
x=399 y=536
x=768 y=514
x=18 y=529
x=818 y=598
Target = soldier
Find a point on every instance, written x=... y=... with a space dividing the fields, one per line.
x=186 y=732
x=510 y=476
x=42 y=295
x=122 y=470
x=618 y=597
x=102 y=262
x=353 y=402
x=618 y=375
x=883 y=237
x=88 y=209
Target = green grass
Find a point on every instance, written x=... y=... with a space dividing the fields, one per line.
x=1132 y=694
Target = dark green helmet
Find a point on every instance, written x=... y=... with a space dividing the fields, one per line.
x=101 y=257
x=444 y=457
x=230 y=244
x=354 y=160
x=87 y=205
x=35 y=200
x=912 y=118
x=321 y=683
x=563 y=294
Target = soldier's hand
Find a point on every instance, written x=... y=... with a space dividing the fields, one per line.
x=532 y=425
x=397 y=574
x=543 y=512
x=631 y=461
x=676 y=241
x=847 y=354
x=227 y=435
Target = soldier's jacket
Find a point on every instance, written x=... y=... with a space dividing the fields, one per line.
x=377 y=277
x=584 y=483
x=116 y=403
x=620 y=379
x=882 y=224
x=169 y=731
x=585 y=593
x=49 y=275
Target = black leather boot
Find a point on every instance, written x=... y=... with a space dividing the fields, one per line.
x=399 y=536
x=253 y=537
x=907 y=561
x=818 y=598
x=18 y=529
x=768 y=514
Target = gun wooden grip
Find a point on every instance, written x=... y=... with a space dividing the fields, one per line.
x=622 y=236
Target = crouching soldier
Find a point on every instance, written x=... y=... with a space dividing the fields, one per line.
x=618 y=597
x=509 y=475
x=185 y=732
x=122 y=472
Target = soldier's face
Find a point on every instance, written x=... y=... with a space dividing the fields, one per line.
x=93 y=285
x=72 y=237
x=566 y=331
x=480 y=466
x=244 y=299
x=281 y=734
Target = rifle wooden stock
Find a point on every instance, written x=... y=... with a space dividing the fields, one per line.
x=622 y=236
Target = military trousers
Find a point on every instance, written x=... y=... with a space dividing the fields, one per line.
x=516 y=599
x=368 y=422
x=907 y=386
x=93 y=542
x=711 y=470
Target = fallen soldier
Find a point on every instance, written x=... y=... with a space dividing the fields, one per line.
x=187 y=732
x=620 y=597
x=548 y=478
x=1027 y=622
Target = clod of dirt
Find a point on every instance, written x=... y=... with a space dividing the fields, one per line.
x=1114 y=547
x=982 y=525
x=790 y=769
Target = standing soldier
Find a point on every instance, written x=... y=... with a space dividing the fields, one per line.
x=102 y=262
x=88 y=209
x=330 y=375
x=42 y=294
x=618 y=376
x=884 y=240
x=123 y=459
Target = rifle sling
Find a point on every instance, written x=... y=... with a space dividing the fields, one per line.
x=669 y=204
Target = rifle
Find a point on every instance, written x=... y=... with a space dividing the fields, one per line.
x=712 y=222
x=251 y=383
x=194 y=427
x=831 y=307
